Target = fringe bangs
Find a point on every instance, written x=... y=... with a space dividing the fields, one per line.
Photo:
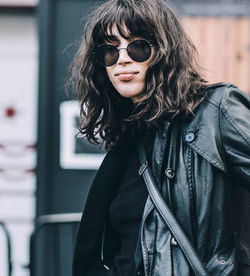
x=129 y=23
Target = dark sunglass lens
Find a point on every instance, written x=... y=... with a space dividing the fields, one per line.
x=139 y=50
x=107 y=55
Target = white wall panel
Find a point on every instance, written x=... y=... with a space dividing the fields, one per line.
x=18 y=116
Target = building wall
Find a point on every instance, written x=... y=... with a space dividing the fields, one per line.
x=213 y=7
x=223 y=44
x=18 y=108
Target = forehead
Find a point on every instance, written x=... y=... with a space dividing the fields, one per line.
x=129 y=19
x=115 y=32
x=127 y=26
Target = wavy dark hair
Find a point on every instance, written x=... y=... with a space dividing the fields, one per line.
x=173 y=83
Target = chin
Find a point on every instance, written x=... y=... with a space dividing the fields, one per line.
x=130 y=93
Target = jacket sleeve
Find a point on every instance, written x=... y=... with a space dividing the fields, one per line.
x=235 y=133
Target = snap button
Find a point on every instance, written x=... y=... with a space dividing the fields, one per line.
x=222 y=261
x=170 y=173
x=189 y=137
x=173 y=241
x=163 y=134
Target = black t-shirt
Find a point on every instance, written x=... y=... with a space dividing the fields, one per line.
x=126 y=213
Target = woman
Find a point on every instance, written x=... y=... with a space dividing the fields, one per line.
x=139 y=84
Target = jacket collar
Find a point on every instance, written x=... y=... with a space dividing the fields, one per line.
x=202 y=134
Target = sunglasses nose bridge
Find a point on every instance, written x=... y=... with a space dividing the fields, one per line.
x=123 y=55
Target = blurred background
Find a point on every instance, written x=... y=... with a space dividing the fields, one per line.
x=45 y=172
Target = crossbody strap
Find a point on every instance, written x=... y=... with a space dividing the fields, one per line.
x=168 y=217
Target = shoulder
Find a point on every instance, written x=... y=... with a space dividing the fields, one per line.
x=233 y=106
x=225 y=95
x=223 y=99
x=224 y=110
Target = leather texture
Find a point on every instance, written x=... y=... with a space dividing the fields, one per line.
x=210 y=155
x=168 y=217
x=202 y=169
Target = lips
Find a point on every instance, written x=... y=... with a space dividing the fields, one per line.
x=125 y=76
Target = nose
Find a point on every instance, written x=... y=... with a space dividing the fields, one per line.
x=123 y=56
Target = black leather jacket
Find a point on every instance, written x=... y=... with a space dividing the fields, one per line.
x=202 y=167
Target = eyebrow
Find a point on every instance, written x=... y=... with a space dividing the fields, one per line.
x=111 y=38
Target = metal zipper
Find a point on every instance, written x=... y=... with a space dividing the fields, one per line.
x=143 y=246
x=192 y=192
x=102 y=248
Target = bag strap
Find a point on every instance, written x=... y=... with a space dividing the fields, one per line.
x=168 y=216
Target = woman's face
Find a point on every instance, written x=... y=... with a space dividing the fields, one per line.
x=127 y=75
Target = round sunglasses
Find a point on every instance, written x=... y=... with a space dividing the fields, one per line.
x=138 y=50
